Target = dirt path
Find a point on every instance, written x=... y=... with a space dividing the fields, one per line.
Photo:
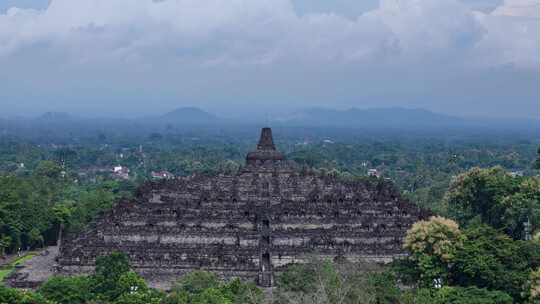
x=35 y=271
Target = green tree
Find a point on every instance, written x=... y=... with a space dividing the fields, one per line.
x=297 y=278
x=8 y=295
x=336 y=283
x=490 y=259
x=48 y=169
x=197 y=282
x=433 y=245
x=5 y=242
x=243 y=293
x=211 y=296
x=201 y=287
x=177 y=297
x=109 y=270
x=384 y=287
x=494 y=197
x=131 y=282
x=62 y=214
x=520 y=207
x=13 y=296
x=457 y=295
x=148 y=296
x=65 y=156
x=532 y=287
x=477 y=193
x=67 y=290
x=35 y=238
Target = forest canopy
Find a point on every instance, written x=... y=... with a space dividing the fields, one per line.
x=481 y=246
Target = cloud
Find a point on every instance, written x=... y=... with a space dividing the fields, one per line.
x=208 y=33
x=519 y=8
x=220 y=32
x=512 y=34
x=77 y=45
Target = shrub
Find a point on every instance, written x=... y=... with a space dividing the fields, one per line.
x=67 y=290
x=297 y=278
x=13 y=296
x=197 y=282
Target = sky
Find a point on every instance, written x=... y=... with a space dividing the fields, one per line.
x=476 y=58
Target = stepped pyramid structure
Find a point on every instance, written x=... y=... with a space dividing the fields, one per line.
x=248 y=225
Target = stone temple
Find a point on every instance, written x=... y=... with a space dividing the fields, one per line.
x=248 y=225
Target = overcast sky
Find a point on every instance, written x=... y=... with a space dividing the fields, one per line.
x=139 y=57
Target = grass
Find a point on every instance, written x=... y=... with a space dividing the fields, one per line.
x=6 y=270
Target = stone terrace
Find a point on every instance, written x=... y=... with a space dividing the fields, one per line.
x=249 y=225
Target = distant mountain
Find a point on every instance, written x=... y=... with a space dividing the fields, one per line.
x=54 y=116
x=375 y=118
x=189 y=115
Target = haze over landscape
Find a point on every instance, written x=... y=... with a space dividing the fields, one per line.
x=135 y=58
x=269 y=151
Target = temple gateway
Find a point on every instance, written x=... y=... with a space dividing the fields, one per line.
x=249 y=225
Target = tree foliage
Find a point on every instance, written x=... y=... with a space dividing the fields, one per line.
x=112 y=274
x=13 y=296
x=490 y=259
x=35 y=208
x=433 y=245
x=458 y=295
x=113 y=282
x=51 y=187
x=494 y=197
x=67 y=290
x=532 y=287
x=323 y=281
x=201 y=287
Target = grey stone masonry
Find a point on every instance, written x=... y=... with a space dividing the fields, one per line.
x=249 y=225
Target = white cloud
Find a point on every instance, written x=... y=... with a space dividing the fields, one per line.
x=258 y=43
x=264 y=31
x=519 y=8
x=430 y=27
x=512 y=34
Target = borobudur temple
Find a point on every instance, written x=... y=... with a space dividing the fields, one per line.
x=248 y=225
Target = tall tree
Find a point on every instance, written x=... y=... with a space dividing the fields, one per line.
x=477 y=193
x=433 y=245
x=490 y=259
x=62 y=213
x=109 y=270
x=495 y=197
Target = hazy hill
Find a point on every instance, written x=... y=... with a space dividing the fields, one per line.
x=54 y=116
x=376 y=118
x=59 y=127
x=188 y=115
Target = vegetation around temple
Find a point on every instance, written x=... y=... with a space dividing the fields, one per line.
x=481 y=247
